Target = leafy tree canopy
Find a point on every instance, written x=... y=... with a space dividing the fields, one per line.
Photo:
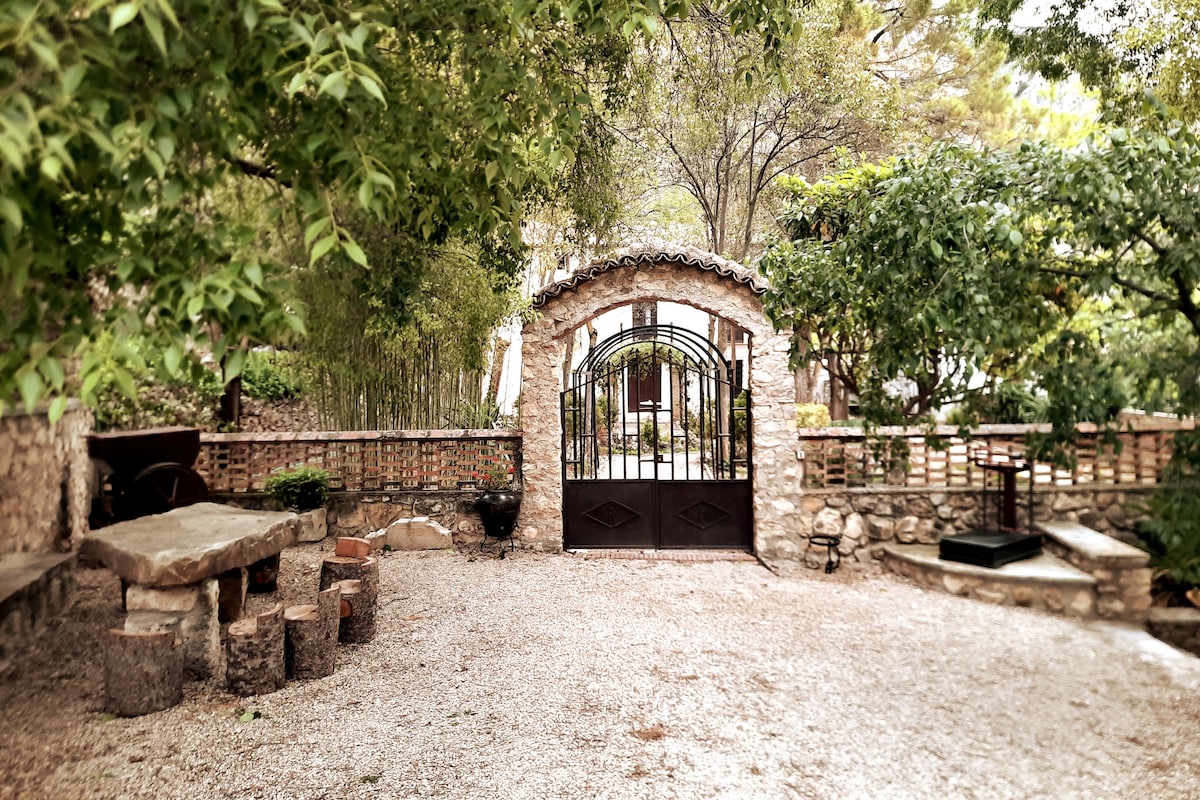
x=121 y=120
x=1120 y=48
x=951 y=271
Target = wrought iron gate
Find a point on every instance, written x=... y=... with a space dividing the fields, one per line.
x=656 y=445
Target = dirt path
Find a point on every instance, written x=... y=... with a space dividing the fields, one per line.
x=557 y=677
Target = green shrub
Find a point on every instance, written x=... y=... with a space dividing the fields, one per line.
x=812 y=415
x=135 y=391
x=269 y=378
x=302 y=490
x=1171 y=533
x=648 y=431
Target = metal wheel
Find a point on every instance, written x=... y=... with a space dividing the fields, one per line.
x=162 y=487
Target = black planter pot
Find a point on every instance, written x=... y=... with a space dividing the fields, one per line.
x=498 y=511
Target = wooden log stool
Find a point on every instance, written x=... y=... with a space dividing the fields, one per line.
x=254 y=662
x=143 y=671
x=358 y=575
x=310 y=645
x=357 y=612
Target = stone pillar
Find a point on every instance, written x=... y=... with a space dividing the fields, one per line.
x=540 y=520
x=190 y=611
x=776 y=468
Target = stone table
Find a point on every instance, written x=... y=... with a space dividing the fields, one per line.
x=172 y=563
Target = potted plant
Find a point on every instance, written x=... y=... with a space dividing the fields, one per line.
x=305 y=491
x=499 y=503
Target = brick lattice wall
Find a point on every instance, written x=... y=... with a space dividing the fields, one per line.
x=359 y=461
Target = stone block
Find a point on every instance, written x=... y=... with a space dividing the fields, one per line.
x=1083 y=603
x=880 y=528
x=853 y=528
x=189 y=544
x=418 y=533
x=313 y=525
x=956 y=584
x=992 y=594
x=828 y=522
x=198 y=626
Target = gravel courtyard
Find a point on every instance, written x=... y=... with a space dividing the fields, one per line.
x=554 y=676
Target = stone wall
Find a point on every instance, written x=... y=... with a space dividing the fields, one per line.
x=46 y=481
x=869 y=517
x=1177 y=626
x=361 y=513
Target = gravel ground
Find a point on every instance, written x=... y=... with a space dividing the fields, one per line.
x=541 y=676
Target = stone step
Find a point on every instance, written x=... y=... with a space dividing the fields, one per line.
x=1044 y=582
x=34 y=587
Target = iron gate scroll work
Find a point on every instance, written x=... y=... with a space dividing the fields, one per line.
x=656 y=445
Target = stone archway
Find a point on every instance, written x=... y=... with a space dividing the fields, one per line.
x=644 y=274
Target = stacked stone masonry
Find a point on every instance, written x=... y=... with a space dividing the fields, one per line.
x=870 y=517
x=1120 y=570
x=1036 y=583
x=46 y=481
x=361 y=514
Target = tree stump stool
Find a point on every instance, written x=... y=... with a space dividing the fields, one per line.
x=143 y=671
x=358 y=603
x=254 y=662
x=310 y=647
x=357 y=612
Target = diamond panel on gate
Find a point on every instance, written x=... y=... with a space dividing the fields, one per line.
x=703 y=515
x=611 y=514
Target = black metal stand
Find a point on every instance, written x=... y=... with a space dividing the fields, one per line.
x=511 y=547
x=831 y=541
x=1001 y=538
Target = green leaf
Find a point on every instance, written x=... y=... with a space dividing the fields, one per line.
x=172 y=358
x=314 y=230
x=29 y=384
x=936 y=249
x=355 y=252
x=254 y=273
x=334 y=84
x=490 y=171
x=122 y=15
x=154 y=25
x=231 y=365
x=57 y=408
x=11 y=212
x=52 y=167
x=322 y=247
x=1015 y=237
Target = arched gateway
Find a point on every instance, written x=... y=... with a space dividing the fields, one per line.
x=681 y=468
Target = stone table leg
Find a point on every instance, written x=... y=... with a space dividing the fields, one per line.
x=190 y=611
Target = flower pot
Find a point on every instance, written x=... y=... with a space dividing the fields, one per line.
x=498 y=512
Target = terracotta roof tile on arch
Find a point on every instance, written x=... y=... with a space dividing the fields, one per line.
x=652 y=254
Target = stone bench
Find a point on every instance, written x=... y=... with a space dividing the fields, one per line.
x=1121 y=571
x=33 y=588
x=178 y=565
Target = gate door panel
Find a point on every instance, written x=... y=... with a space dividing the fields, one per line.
x=611 y=514
x=708 y=514
x=656 y=446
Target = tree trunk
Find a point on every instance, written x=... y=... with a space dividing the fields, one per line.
x=310 y=645
x=254 y=660
x=231 y=402
x=143 y=671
